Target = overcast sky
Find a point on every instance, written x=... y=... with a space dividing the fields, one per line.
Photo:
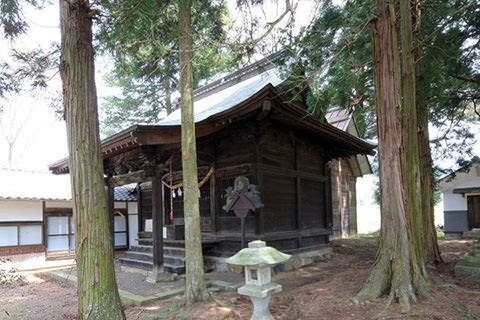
x=43 y=139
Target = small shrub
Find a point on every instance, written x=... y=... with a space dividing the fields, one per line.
x=9 y=275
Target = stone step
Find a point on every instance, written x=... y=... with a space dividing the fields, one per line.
x=174 y=251
x=145 y=241
x=141 y=248
x=145 y=234
x=173 y=268
x=146 y=256
x=174 y=260
x=139 y=264
x=469 y=260
x=471 y=235
x=174 y=243
x=138 y=255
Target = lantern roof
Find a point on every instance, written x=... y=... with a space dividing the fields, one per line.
x=257 y=255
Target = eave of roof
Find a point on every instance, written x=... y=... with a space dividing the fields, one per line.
x=466 y=190
x=218 y=103
x=304 y=117
x=139 y=134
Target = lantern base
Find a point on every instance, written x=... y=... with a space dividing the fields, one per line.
x=260 y=308
x=260 y=296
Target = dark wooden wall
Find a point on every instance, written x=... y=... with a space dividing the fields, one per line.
x=234 y=150
x=295 y=187
x=288 y=165
x=290 y=168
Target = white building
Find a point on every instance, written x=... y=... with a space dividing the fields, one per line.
x=461 y=198
x=36 y=213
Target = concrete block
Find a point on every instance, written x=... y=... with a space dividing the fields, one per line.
x=463 y=271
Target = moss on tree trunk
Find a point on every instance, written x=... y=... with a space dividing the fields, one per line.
x=399 y=268
x=432 y=251
x=97 y=289
x=195 y=288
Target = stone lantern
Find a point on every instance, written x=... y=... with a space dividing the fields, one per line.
x=258 y=260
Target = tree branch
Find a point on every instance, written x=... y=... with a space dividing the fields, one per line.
x=472 y=80
x=443 y=25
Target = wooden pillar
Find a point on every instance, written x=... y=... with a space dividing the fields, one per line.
x=139 y=209
x=328 y=195
x=298 y=211
x=127 y=225
x=213 y=209
x=110 y=208
x=44 y=229
x=259 y=226
x=157 y=224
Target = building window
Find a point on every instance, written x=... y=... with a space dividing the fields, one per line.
x=16 y=234
x=30 y=235
x=8 y=236
x=60 y=233
x=120 y=229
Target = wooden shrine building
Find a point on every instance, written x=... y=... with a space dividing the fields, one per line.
x=247 y=124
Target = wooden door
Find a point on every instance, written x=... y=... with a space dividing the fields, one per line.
x=473 y=211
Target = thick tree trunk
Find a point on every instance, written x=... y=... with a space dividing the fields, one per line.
x=397 y=268
x=410 y=146
x=97 y=289
x=195 y=288
x=432 y=252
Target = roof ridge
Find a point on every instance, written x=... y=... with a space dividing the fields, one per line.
x=27 y=170
x=231 y=77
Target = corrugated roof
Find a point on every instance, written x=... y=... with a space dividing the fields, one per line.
x=126 y=192
x=220 y=98
x=338 y=117
x=28 y=184
x=341 y=118
x=237 y=91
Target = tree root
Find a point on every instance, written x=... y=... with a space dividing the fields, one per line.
x=389 y=302
x=399 y=285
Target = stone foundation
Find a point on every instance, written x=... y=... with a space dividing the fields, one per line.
x=7 y=251
x=469 y=265
x=296 y=261
x=453 y=235
x=471 y=235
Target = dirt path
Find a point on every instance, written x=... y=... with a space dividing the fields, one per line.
x=320 y=291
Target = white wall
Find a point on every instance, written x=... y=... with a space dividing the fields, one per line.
x=472 y=182
x=439 y=218
x=132 y=223
x=469 y=179
x=19 y=210
x=132 y=208
x=368 y=212
x=454 y=202
x=133 y=229
x=119 y=205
